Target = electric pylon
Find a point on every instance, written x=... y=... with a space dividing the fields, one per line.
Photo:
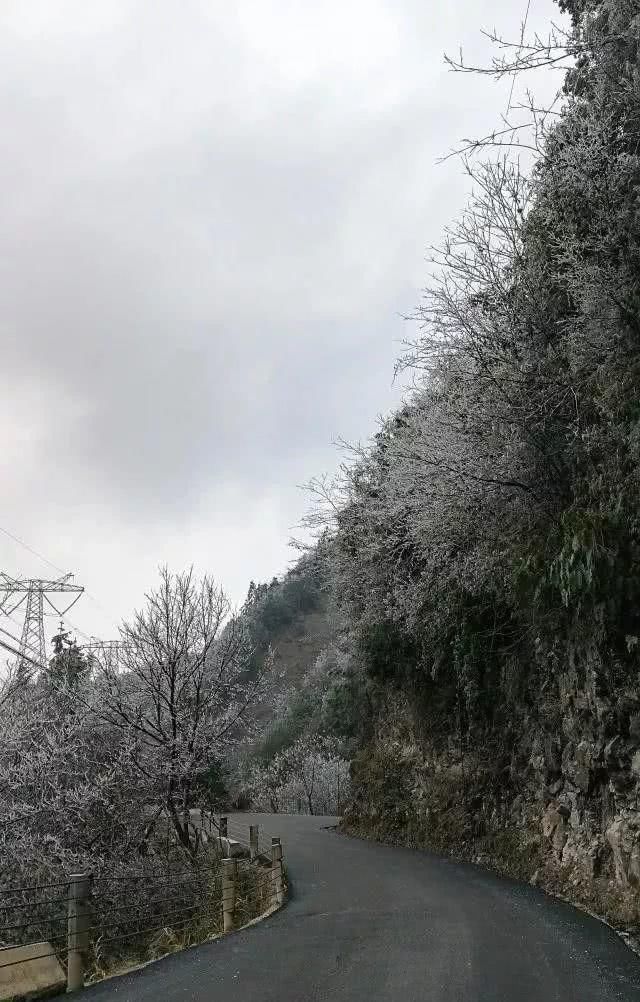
x=34 y=592
x=105 y=652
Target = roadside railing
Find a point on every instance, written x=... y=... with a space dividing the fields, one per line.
x=246 y=851
x=82 y=928
x=319 y=806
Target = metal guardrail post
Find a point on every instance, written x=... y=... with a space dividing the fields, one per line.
x=229 y=874
x=253 y=841
x=77 y=928
x=223 y=827
x=276 y=871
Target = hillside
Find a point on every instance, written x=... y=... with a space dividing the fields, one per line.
x=291 y=618
x=486 y=547
x=297 y=757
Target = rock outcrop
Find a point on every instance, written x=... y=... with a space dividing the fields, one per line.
x=558 y=804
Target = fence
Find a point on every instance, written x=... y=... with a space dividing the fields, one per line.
x=88 y=925
x=320 y=806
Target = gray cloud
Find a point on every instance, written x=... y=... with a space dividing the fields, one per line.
x=212 y=217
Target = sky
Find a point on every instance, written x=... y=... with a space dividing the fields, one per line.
x=215 y=218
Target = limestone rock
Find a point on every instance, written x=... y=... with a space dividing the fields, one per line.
x=613 y=751
x=560 y=837
x=550 y=820
x=621 y=783
x=623 y=837
x=554 y=827
x=578 y=764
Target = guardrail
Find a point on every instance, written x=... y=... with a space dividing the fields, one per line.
x=65 y=933
x=241 y=847
x=318 y=806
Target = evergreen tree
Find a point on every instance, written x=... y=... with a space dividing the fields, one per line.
x=68 y=666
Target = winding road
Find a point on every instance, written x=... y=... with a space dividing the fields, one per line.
x=369 y=923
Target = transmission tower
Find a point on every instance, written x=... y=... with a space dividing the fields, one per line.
x=105 y=652
x=34 y=592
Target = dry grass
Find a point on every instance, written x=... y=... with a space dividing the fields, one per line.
x=253 y=898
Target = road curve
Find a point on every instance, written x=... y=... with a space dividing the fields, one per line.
x=369 y=923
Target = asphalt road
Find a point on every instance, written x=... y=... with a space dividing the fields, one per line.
x=369 y=923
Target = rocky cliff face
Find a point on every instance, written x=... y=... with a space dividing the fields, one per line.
x=556 y=801
x=586 y=778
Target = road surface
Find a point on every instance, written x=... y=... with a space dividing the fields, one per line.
x=369 y=923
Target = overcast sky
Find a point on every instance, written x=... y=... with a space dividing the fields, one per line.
x=213 y=216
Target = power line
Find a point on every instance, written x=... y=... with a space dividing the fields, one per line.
x=76 y=628
x=19 y=625
x=16 y=639
x=70 y=606
x=22 y=656
x=31 y=550
x=40 y=556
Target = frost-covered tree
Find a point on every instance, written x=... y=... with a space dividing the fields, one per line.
x=181 y=691
x=101 y=763
x=311 y=775
x=494 y=517
x=70 y=801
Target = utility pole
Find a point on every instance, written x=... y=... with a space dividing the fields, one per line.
x=34 y=592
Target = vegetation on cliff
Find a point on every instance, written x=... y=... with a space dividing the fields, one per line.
x=485 y=547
